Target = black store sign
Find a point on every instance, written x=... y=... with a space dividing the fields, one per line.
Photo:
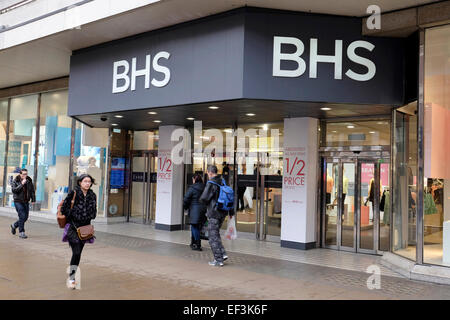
x=245 y=180
x=142 y=177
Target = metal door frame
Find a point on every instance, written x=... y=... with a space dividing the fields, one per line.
x=376 y=209
x=340 y=158
x=340 y=209
x=148 y=188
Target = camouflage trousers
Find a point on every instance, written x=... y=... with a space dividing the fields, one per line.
x=214 y=238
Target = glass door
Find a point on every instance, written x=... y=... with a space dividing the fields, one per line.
x=143 y=188
x=258 y=203
x=374 y=206
x=339 y=203
x=369 y=199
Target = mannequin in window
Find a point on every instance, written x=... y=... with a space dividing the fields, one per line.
x=371 y=197
x=330 y=183
x=344 y=193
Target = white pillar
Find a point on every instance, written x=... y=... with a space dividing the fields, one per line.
x=169 y=191
x=299 y=206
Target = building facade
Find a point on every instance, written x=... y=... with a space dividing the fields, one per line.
x=332 y=135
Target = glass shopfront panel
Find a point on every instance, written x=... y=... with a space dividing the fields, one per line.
x=90 y=156
x=437 y=147
x=3 y=124
x=22 y=137
x=358 y=133
x=55 y=130
x=404 y=183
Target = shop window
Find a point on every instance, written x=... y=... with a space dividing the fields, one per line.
x=358 y=133
x=22 y=133
x=52 y=183
x=90 y=156
x=3 y=124
x=436 y=147
x=404 y=191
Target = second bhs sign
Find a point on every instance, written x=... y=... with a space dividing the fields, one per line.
x=315 y=58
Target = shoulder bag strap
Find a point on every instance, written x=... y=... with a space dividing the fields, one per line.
x=71 y=206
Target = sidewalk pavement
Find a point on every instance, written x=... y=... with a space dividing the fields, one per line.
x=122 y=267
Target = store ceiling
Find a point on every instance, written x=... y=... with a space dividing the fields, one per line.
x=231 y=112
x=49 y=57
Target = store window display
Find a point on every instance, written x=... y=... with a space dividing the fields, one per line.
x=55 y=131
x=22 y=132
x=3 y=124
x=90 y=156
x=436 y=147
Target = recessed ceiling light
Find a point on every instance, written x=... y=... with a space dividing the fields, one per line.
x=118 y=116
x=325 y=109
x=152 y=112
x=350 y=127
x=228 y=130
x=250 y=114
x=266 y=127
x=190 y=118
x=379 y=122
x=371 y=131
x=213 y=107
x=157 y=121
x=334 y=131
x=114 y=124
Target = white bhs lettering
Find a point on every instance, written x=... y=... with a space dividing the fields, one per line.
x=315 y=58
x=126 y=80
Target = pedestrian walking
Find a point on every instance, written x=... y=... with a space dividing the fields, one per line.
x=84 y=210
x=23 y=191
x=197 y=210
x=215 y=216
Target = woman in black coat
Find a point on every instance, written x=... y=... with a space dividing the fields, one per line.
x=84 y=210
x=197 y=210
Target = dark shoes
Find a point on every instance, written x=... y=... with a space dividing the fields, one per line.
x=13 y=229
x=197 y=245
x=22 y=235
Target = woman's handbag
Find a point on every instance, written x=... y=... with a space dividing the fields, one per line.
x=62 y=219
x=86 y=232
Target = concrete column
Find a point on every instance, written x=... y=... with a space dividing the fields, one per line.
x=169 y=191
x=299 y=206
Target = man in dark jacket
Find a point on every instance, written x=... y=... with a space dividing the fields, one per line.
x=23 y=191
x=215 y=217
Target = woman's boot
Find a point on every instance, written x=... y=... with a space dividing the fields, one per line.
x=192 y=242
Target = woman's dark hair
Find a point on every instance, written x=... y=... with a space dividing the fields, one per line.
x=197 y=178
x=80 y=178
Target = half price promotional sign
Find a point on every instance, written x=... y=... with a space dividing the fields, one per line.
x=294 y=176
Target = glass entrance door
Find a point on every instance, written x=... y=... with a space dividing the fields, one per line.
x=258 y=203
x=355 y=216
x=339 y=204
x=143 y=187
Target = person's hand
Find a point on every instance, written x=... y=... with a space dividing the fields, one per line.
x=24 y=181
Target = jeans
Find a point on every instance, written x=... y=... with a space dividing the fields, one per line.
x=195 y=231
x=214 y=238
x=23 y=210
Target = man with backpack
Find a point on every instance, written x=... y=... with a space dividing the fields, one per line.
x=219 y=199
